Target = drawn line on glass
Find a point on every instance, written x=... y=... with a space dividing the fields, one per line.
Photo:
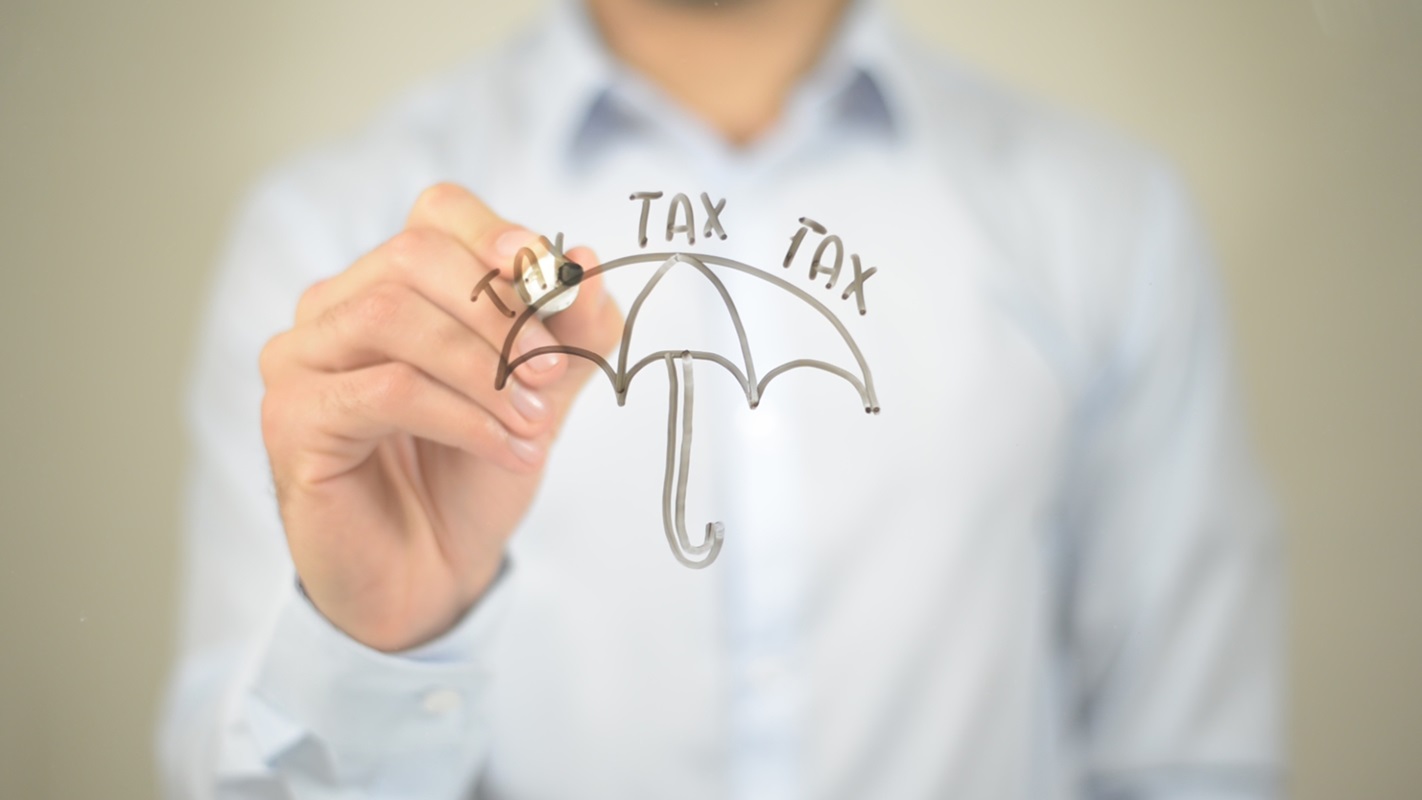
x=621 y=379
x=681 y=388
x=675 y=526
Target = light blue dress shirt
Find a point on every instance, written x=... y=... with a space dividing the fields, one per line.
x=1045 y=570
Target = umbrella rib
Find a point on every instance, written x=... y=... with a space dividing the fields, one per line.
x=748 y=383
x=752 y=390
x=630 y=322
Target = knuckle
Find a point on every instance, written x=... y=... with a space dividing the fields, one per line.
x=271 y=355
x=310 y=300
x=392 y=385
x=378 y=307
x=410 y=249
x=441 y=197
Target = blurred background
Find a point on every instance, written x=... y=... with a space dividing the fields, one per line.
x=128 y=132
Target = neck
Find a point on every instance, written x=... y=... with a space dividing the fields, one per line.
x=732 y=63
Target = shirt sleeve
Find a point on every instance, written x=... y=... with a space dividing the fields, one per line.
x=1174 y=622
x=268 y=699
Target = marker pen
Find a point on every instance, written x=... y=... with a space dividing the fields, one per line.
x=542 y=275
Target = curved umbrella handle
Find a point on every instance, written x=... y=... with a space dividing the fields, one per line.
x=678 y=465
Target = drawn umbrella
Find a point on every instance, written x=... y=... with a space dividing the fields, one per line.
x=682 y=387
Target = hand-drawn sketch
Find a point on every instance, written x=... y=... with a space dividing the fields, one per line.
x=680 y=363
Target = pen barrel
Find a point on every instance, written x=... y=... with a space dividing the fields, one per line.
x=540 y=273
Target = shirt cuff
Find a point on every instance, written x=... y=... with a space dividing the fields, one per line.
x=365 y=708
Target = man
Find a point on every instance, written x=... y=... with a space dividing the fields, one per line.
x=1044 y=570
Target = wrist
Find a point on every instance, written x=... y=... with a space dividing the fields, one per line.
x=395 y=636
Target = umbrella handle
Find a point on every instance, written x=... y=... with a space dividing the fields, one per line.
x=682 y=393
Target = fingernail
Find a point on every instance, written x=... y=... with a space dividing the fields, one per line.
x=527 y=403
x=533 y=338
x=508 y=244
x=526 y=450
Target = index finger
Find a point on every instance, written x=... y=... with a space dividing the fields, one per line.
x=457 y=212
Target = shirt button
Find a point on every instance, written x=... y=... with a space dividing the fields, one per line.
x=442 y=701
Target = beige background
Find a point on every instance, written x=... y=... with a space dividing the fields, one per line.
x=128 y=130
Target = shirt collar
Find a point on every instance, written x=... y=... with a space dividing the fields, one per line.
x=579 y=97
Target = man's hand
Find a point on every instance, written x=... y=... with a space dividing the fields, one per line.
x=400 y=471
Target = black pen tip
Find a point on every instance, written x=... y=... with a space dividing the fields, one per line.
x=570 y=274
